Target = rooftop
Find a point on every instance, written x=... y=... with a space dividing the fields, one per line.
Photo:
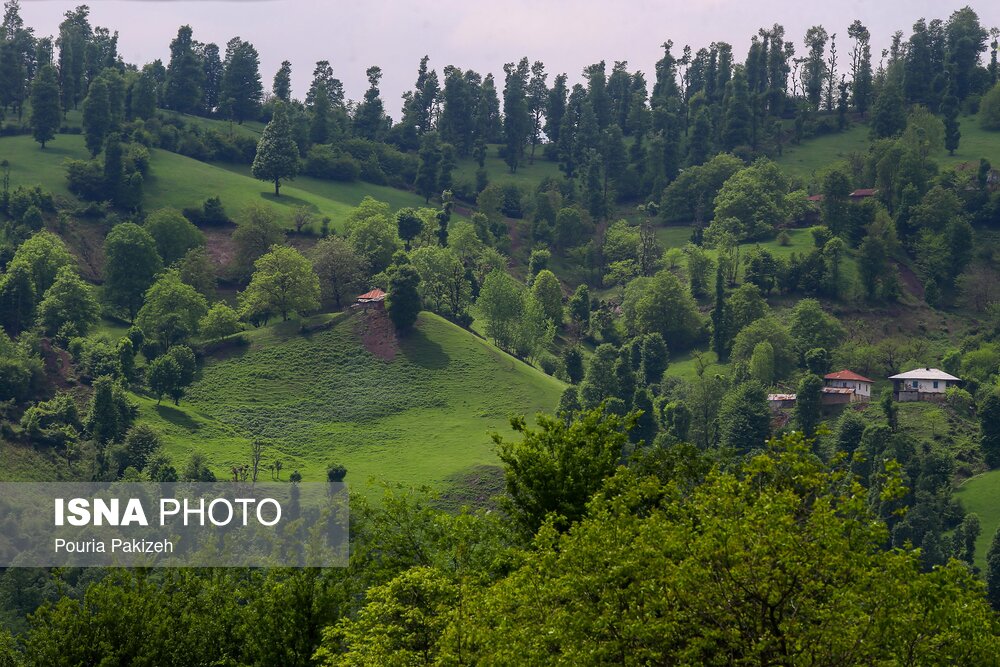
x=925 y=374
x=374 y=295
x=847 y=375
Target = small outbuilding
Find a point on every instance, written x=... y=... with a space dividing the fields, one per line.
x=374 y=298
x=922 y=384
x=846 y=379
x=779 y=402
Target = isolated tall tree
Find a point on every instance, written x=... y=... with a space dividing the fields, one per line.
x=241 y=85
x=282 y=85
x=185 y=76
x=736 y=128
x=888 y=114
x=409 y=225
x=807 y=404
x=370 y=119
x=144 y=95
x=949 y=109
x=555 y=108
x=861 y=67
x=720 y=328
x=418 y=104
x=74 y=34
x=966 y=39
x=212 y=69
x=537 y=98
x=815 y=65
x=428 y=169
x=45 y=114
x=402 y=302
x=277 y=157
x=96 y=116
x=517 y=113
x=338 y=266
x=131 y=265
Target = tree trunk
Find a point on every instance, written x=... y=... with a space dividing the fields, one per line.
x=277 y=187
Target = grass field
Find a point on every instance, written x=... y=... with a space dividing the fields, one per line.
x=421 y=418
x=981 y=494
x=180 y=182
x=527 y=176
x=808 y=159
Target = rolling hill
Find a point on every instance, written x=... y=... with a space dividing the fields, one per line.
x=423 y=416
x=179 y=181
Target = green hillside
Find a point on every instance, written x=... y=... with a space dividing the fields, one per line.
x=981 y=494
x=814 y=155
x=420 y=418
x=181 y=182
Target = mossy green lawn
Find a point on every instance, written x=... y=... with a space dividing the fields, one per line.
x=318 y=399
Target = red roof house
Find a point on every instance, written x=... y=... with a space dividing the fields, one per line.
x=374 y=295
x=863 y=193
x=845 y=379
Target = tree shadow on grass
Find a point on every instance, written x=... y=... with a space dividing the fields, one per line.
x=422 y=351
x=288 y=200
x=176 y=417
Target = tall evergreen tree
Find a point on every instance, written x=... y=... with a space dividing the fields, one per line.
x=429 y=167
x=144 y=95
x=555 y=108
x=74 y=34
x=888 y=114
x=402 y=302
x=815 y=65
x=720 y=320
x=807 y=404
x=736 y=131
x=96 y=116
x=45 y=115
x=185 y=75
x=517 y=113
x=241 y=84
x=949 y=109
x=213 y=97
x=993 y=572
x=282 y=85
x=370 y=120
x=277 y=157
x=861 y=67
x=538 y=94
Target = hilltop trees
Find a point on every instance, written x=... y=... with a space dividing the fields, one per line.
x=277 y=157
x=45 y=115
x=283 y=282
x=185 y=75
x=241 y=86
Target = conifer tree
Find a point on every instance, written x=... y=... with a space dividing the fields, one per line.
x=720 y=333
x=277 y=155
x=45 y=114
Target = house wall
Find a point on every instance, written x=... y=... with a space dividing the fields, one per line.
x=924 y=386
x=860 y=388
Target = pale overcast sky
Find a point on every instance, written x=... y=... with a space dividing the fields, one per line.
x=566 y=35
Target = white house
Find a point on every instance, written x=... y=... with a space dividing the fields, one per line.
x=922 y=384
x=846 y=379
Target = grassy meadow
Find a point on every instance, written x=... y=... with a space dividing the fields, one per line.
x=421 y=418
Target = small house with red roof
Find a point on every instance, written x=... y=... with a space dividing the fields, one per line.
x=848 y=383
x=863 y=193
x=374 y=298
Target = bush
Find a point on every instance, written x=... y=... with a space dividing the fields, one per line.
x=329 y=163
x=219 y=322
x=989 y=109
x=86 y=179
x=549 y=364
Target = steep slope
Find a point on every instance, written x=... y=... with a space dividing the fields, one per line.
x=420 y=418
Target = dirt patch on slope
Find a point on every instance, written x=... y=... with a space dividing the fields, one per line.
x=377 y=334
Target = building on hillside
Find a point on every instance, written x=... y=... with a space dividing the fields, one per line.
x=837 y=396
x=922 y=384
x=372 y=299
x=863 y=193
x=778 y=402
x=845 y=379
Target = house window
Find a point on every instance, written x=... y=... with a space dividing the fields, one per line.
x=935 y=384
x=914 y=384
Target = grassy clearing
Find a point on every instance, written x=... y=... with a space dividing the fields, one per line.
x=528 y=176
x=981 y=494
x=418 y=419
x=812 y=156
x=686 y=366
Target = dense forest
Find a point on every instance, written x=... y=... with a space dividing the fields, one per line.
x=621 y=386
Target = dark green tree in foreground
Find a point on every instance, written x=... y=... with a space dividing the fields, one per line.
x=403 y=300
x=45 y=113
x=556 y=468
x=989 y=422
x=96 y=116
x=277 y=157
x=952 y=134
